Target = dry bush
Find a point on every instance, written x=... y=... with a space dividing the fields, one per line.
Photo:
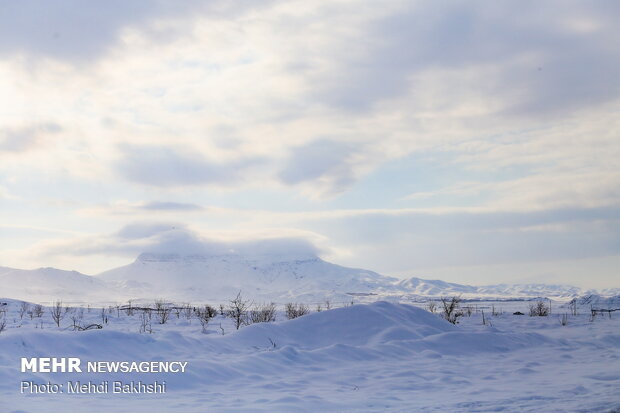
x=104 y=317
x=539 y=309
x=188 y=311
x=162 y=310
x=76 y=318
x=450 y=307
x=204 y=316
x=263 y=314
x=128 y=308
x=145 y=321
x=294 y=310
x=38 y=310
x=431 y=306
x=573 y=306
x=2 y=321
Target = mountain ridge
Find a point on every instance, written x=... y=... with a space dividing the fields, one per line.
x=261 y=277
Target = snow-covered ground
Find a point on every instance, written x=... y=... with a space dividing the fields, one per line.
x=361 y=358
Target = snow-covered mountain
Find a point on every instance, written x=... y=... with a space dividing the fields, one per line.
x=421 y=287
x=48 y=284
x=266 y=277
x=438 y=288
x=598 y=302
x=280 y=278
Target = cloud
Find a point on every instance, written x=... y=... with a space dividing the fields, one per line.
x=25 y=138
x=170 y=206
x=163 y=166
x=75 y=31
x=408 y=242
x=487 y=114
x=327 y=162
x=173 y=238
x=68 y=29
x=552 y=58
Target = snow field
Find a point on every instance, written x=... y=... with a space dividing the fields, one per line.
x=375 y=357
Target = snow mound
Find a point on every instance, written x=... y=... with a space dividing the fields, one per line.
x=357 y=325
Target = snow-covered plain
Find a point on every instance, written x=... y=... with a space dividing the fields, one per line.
x=360 y=358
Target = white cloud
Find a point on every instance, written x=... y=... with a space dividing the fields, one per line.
x=203 y=108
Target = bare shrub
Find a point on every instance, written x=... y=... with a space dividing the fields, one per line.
x=539 y=309
x=211 y=311
x=238 y=310
x=104 y=317
x=38 y=310
x=294 y=310
x=468 y=310
x=76 y=318
x=450 y=307
x=128 y=308
x=145 y=322
x=573 y=306
x=204 y=316
x=57 y=313
x=494 y=311
x=162 y=310
x=263 y=314
x=431 y=306
x=328 y=305
x=24 y=307
x=2 y=321
x=188 y=311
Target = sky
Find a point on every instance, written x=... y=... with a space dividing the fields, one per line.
x=474 y=142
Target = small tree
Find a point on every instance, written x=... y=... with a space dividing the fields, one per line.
x=38 y=310
x=24 y=307
x=57 y=313
x=450 y=307
x=238 y=310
